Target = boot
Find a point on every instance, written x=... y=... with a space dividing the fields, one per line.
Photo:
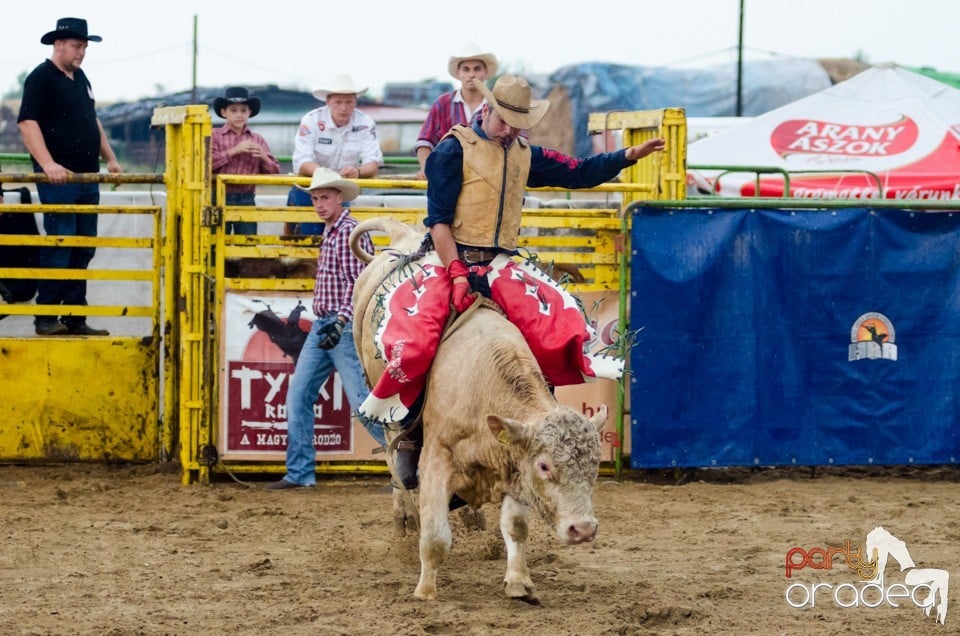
x=408 y=456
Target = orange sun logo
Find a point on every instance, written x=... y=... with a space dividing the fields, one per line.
x=871 y=337
x=872 y=330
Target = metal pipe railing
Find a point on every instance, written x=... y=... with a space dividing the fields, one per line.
x=758 y=170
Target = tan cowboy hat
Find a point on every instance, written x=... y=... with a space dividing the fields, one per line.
x=511 y=99
x=471 y=51
x=339 y=85
x=327 y=178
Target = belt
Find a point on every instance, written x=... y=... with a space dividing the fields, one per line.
x=476 y=255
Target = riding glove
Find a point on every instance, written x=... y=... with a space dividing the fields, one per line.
x=330 y=335
x=462 y=296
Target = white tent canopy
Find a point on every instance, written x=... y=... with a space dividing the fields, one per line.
x=886 y=132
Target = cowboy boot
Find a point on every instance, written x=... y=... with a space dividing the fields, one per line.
x=408 y=457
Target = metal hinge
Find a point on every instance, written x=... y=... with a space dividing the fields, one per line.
x=211 y=215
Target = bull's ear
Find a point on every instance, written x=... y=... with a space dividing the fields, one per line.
x=505 y=430
x=600 y=418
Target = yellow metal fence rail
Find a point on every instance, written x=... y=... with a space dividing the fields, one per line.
x=179 y=360
x=88 y=398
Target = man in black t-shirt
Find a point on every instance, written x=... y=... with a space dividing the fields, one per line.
x=61 y=131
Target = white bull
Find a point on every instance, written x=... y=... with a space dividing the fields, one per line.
x=492 y=429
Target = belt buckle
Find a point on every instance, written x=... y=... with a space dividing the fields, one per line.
x=476 y=256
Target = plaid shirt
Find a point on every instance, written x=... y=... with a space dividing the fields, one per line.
x=223 y=139
x=338 y=268
x=446 y=112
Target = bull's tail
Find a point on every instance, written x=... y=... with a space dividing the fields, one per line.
x=399 y=233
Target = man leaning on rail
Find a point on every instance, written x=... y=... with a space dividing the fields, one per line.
x=63 y=135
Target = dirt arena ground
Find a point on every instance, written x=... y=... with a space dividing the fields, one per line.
x=94 y=549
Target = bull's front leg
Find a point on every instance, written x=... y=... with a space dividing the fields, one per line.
x=435 y=535
x=404 y=512
x=514 y=528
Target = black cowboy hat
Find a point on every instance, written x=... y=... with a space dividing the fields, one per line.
x=69 y=29
x=237 y=95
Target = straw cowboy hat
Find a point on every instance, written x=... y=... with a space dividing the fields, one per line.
x=327 y=178
x=69 y=29
x=471 y=51
x=339 y=85
x=511 y=99
x=236 y=95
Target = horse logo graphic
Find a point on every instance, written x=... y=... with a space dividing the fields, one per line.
x=881 y=545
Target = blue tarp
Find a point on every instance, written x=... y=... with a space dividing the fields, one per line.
x=807 y=337
x=596 y=87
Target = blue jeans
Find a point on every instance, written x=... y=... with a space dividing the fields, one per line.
x=313 y=368
x=66 y=292
x=297 y=197
x=240 y=227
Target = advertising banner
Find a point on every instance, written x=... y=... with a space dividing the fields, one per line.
x=808 y=337
x=884 y=133
x=255 y=373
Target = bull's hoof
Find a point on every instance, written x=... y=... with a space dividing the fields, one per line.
x=425 y=594
x=521 y=592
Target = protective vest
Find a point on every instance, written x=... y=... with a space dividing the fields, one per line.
x=491 y=198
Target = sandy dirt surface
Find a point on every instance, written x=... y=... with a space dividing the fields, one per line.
x=94 y=549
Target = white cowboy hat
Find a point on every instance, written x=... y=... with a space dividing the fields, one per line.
x=327 y=178
x=511 y=99
x=471 y=51
x=339 y=85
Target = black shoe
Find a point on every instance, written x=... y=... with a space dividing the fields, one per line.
x=83 y=329
x=283 y=484
x=51 y=328
x=408 y=456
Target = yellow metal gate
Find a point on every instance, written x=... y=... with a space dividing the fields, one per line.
x=82 y=398
x=152 y=390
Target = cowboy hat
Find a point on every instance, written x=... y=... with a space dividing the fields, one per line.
x=69 y=29
x=327 y=178
x=471 y=51
x=511 y=99
x=340 y=85
x=236 y=95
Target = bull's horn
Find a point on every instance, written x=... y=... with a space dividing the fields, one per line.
x=362 y=228
x=600 y=418
x=396 y=230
